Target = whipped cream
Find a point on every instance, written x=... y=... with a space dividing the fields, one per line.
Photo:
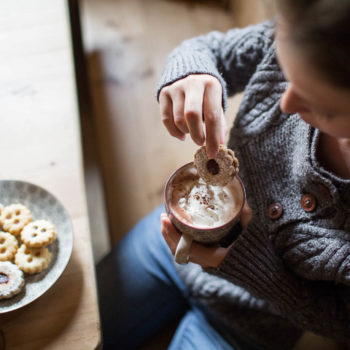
x=203 y=205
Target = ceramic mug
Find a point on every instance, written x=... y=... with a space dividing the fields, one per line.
x=206 y=235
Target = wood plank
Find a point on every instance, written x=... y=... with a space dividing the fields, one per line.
x=41 y=144
x=244 y=15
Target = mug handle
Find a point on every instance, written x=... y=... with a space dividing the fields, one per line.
x=183 y=249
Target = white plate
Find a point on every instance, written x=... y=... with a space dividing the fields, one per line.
x=43 y=205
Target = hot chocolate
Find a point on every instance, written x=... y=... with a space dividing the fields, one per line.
x=198 y=204
x=201 y=212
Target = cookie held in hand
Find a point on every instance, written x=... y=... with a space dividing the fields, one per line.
x=218 y=171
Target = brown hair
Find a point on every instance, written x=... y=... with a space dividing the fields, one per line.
x=321 y=28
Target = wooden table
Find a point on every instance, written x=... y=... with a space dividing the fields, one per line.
x=40 y=143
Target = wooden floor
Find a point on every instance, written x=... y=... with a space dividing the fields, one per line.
x=126 y=44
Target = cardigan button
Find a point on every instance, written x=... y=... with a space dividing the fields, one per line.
x=275 y=211
x=308 y=202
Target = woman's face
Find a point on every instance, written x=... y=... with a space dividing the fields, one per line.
x=317 y=102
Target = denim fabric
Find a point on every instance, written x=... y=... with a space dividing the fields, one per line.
x=194 y=332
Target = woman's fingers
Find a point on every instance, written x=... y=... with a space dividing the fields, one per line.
x=166 y=112
x=193 y=112
x=213 y=117
x=169 y=232
x=246 y=215
x=185 y=103
x=206 y=256
x=178 y=101
x=223 y=129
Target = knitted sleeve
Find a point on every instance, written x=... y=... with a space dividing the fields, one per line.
x=317 y=253
x=319 y=305
x=231 y=57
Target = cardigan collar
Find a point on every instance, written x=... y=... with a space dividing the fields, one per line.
x=308 y=164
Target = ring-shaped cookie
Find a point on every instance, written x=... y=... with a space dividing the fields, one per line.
x=8 y=246
x=11 y=280
x=218 y=171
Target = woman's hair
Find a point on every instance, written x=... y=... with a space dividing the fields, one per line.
x=321 y=28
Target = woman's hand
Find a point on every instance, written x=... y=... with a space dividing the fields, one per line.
x=206 y=256
x=187 y=102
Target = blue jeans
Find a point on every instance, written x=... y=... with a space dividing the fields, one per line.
x=140 y=292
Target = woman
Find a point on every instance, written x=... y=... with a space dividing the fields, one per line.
x=288 y=269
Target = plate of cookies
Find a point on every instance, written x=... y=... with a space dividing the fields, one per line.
x=36 y=241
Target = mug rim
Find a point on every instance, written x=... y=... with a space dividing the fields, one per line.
x=171 y=212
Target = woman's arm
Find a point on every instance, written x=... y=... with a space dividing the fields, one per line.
x=231 y=57
x=321 y=306
x=199 y=74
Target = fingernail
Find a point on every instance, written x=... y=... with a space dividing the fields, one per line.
x=211 y=154
x=198 y=140
x=164 y=230
x=201 y=141
x=223 y=135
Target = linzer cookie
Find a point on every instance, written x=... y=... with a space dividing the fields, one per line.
x=14 y=217
x=38 y=233
x=32 y=260
x=8 y=246
x=11 y=280
x=216 y=171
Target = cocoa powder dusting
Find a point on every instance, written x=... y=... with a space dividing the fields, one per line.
x=204 y=200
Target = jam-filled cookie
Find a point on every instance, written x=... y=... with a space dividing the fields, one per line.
x=38 y=233
x=11 y=280
x=219 y=170
x=32 y=260
x=14 y=217
x=8 y=246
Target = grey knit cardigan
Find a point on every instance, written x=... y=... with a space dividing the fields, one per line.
x=289 y=270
